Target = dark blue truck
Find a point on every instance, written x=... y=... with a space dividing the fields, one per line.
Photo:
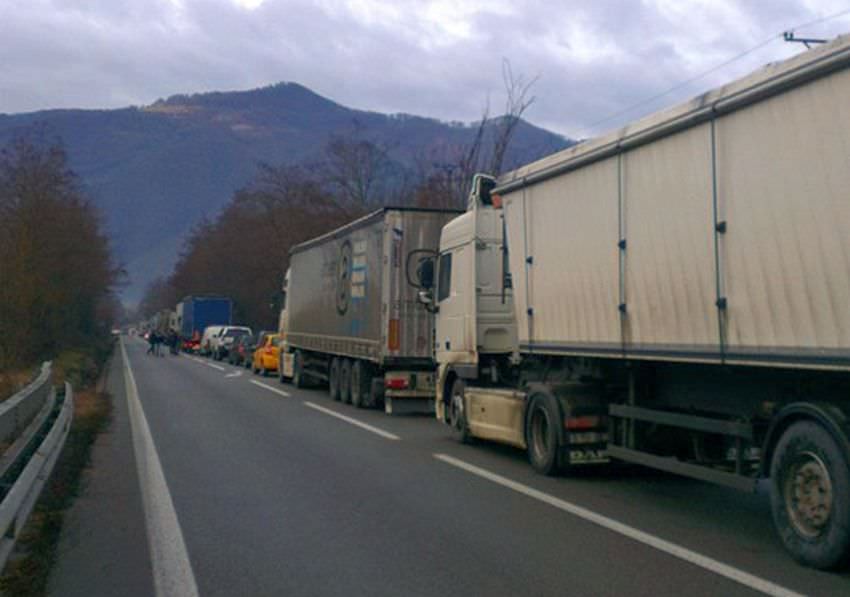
x=197 y=312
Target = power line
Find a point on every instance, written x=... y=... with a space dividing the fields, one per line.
x=713 y=69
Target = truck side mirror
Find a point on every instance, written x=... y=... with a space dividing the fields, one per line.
x=423 y=276
x=425 y=273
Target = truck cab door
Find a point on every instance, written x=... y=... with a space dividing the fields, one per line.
x=454 y=340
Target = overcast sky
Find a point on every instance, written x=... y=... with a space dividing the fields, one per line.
x=594 y=58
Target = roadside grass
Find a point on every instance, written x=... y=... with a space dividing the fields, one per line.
x=12 y=381
x=28 y=570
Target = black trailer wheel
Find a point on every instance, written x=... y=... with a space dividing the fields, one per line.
x=298 y=377
x=541 y=434
x=810 y=496
x=345 y=381
x=361 y=382
x=457 y=413
x=333 y=379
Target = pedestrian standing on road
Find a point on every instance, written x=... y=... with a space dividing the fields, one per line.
x=151 y=343
x=160 y=339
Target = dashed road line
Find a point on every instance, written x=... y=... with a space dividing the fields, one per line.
x=270 y=388
x=677 y=551
x=352 y=421
x=172 y=570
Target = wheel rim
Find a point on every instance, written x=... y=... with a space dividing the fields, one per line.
x=540 y=439
x=355 y=384
x=456 y=411
x=808 y=494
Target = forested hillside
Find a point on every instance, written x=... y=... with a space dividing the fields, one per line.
x=156 y=171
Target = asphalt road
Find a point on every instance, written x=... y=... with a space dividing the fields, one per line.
x=253 y=489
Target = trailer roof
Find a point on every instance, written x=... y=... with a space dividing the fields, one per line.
x=364 y=221
x=771 y=79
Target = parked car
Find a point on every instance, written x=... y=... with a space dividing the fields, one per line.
x=266 y=358
x=220 y=345
x=241 y=351
x=210 y=332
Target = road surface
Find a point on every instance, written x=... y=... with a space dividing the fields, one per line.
x=250 y=487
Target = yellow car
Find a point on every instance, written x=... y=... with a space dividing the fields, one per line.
x=266 y=357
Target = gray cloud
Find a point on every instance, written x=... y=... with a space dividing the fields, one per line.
x=438 y=58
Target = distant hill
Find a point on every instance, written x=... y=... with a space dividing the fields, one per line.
x=157 y=170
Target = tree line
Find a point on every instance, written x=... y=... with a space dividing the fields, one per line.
x=57 y=275
x=243 y=253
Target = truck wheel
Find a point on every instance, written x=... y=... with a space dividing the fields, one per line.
x=345 y=381
x=333 y=379
x=457 y=413
x=298 y=370
x=361 y=381
x=810 y=496
x=541 y=434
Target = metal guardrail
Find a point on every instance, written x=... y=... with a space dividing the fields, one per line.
x=26 y=465
x=17 y=412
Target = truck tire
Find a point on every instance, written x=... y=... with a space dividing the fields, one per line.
x=333 y=379
x=810 y=496
x=541 y=434
x=298 y=378
x=345 y=381
x=361 y=382
x=457 y=413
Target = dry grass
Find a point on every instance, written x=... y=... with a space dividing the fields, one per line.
x=12 y=381
x=26 y=574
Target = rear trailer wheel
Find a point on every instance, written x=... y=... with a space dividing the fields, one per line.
x=810 y=496
x=345 y=381
x=298 y=379
x=541 y=434
x=457 y=413
x=361 y=381
x=333 y=379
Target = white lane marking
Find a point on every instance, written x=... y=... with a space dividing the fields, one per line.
x=234 y=374
x=172 y=570
x=677 y=551
x=269 y=388
x=375 y=430
x=203 y=362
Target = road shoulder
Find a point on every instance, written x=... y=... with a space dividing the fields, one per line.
x=103 y=547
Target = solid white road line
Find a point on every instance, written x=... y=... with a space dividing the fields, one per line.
x=234 y=374
x=270 y=388
x=172 y=570
x=739 y=576
x=375 y=430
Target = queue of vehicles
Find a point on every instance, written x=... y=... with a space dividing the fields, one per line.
x=675 y=295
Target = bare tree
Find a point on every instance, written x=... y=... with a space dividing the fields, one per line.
x=516 y=103
x=357 y=167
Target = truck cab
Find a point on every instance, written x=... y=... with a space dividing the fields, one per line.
x=475 y=327
x=285 y=367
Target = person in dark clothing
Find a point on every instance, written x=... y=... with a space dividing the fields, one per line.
x=172 y=342
x=151 y=343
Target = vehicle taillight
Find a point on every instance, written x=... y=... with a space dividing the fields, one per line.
x=586 y=422
x=396 y=383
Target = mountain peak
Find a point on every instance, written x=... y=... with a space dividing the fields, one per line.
x=284 y=94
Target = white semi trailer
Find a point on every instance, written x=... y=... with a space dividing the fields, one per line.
x=675 y=294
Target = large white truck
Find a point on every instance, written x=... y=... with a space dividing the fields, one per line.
x=351 y=320
x=675 y=294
